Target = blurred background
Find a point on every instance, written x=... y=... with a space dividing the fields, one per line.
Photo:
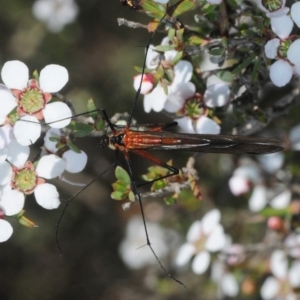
x=100 y=56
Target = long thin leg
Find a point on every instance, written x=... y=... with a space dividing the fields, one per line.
x=137 y=193
x=74 y=196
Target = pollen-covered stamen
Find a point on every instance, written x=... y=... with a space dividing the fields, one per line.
x=31 y=100
x=272 y=5
x=25 y=179
x=194 y=107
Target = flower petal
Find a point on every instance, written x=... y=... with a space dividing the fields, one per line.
x=51 y=146
x=146 y=85
x=155 y=100
x=282 y=200
x=186 y=124
x=271 y=48
x=178 y=95
x=270 y=288
x=50 y=166
x=206 y=125
x=6 y=230
x=281 y=73
x=229 y=285
x=239 y=185
x=279 y=264
x=6 y=135
x=47 y=196
x=216 y=239
x=293 y=52
x=75 y=162
x=5 y=172
x=195 y=232
x=53 y=78
x=185 y=253
x=258 y=199
x=216 y=95
x=7 y=102
x=17 y=154
x=294 y=272
x=57 y=114
x=211 y=220
x=201 y=262
x=271 y=162
x=27 y=130
x=295 y=13
x=15 y=74
x=282 y=26
x=12 y=202
x=183 y=72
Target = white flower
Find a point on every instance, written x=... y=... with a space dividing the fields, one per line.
x=146 y=84
x=216 y=95
x=259 y=200
x=6 y=230
x=243 y=176
x=131 y=251
x=272 y=12
x=282 y=26
x=6 y=135
x=295 y=13
x=55 y=13
x=271 y=162
x=183 y=71
x=31 y=99
x=285 y=279
x=282 y=70
x=74 y=162
x=203 y=125
x=24 y=179
x=203 y=237
x=271 y=48
x=156 y=99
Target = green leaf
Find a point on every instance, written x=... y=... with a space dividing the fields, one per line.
x=73 y=147
x=99 y=124
x=80 y=129
x=131 y=196
x=116 y=195
x=92 y=108
x=225 y=76
x=256 y=69
x=153 y=9
x=244 y=64
x=183 y=7
x=35 y=75
x=122 y=175
x=270 y=212
x=164 y=48
x=177 y=58
x=217 y=52
x=171 y=33
x=120 y=186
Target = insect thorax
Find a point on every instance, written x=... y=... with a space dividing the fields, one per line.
x=118 y=139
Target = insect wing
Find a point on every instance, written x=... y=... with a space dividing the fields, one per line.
x=207 y=143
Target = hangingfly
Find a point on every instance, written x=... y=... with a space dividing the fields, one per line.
x=129 y=140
